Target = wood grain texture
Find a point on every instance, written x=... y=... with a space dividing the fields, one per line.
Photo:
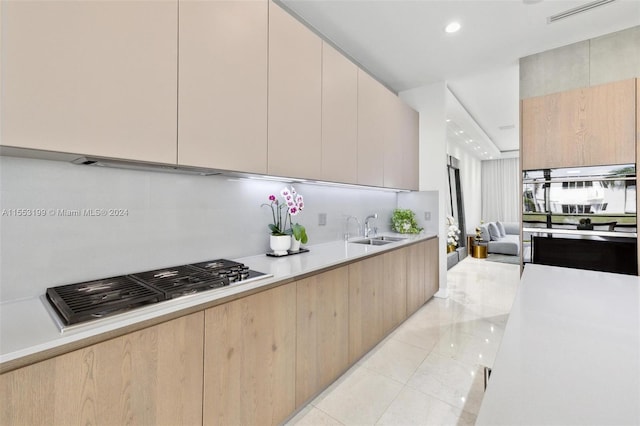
x=91 y=77
x=222 y=114
x=295 y=96
x=373 y=119
x=432 y=268
x=395 y=288
x=152 y=376
x=582 y=127
x=249 y=369
x=322 y=353
x=416 y=278
x=366 y=306
x=339 y=117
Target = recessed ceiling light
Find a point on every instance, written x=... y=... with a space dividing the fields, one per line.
x=461 y=131
x=452 y=27
x=448 y=120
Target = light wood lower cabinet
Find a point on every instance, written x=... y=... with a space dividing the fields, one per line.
x=253 y=360
x=249 y=359
x=395 y=288
x=152 y=376
x=432 y=268
x=416 y=278
x=366 y=306
x=322 y=348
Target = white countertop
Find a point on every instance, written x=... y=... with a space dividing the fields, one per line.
x=26 y=327
x=570 y=354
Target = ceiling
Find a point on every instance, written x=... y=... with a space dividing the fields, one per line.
x=403 y=44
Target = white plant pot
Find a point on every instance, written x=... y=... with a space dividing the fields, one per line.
x=295 y=244
x=280 y=244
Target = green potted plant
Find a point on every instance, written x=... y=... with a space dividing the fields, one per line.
x=404 y=222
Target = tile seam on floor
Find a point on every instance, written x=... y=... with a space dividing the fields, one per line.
x=441 y=400
x=329 y=415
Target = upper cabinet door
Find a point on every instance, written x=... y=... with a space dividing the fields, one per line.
x=582 y=127
x=91 y=77
x=373 y=100
x=222 y=103
x=339 y=117
x=295 y=78
x=401 y=146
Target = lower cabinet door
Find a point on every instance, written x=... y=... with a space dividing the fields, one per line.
x=366 y=306
x=249 y=359
x=322 y=331
x=148 y=377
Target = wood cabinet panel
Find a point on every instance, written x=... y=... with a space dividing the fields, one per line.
x=401 y=145
x=416 y=278
x=411 y=149
x=249 y=367
x=366 y=306
x=395 y=288
x=91 y=77
x=432 y=268
x=295 y=96
x=222 y=114
x=152 y=376
x=582 y=127
x=322 y=341
x=339 y=117
x=372 y=129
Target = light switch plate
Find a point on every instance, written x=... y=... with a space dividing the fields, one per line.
x=322 y=219
x=427 y=215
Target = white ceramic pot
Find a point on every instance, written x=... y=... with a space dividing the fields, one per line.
x=295 y=244
x=280 y=244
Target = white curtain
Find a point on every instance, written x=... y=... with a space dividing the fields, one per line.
x=500 y=190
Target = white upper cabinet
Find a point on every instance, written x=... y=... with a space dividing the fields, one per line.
x=295 y=97
x=91 y=77
x=372 y=129
x=339 y=117
x=222 y=101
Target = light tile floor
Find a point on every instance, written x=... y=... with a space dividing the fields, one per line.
x=429 y=371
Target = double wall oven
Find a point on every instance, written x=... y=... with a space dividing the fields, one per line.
x=582 y=217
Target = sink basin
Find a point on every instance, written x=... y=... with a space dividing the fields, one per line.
x=378 y=241
x=390 y=239
x=371 y=242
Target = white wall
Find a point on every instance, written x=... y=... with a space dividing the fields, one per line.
x=171 y=219
x=430 y=102
x=471 y=180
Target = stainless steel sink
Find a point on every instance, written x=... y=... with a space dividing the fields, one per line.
x=371 y=241
x=378 y=241
x=390 y=239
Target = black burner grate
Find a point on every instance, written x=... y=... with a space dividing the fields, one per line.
x=182 y=280
x=96 y=299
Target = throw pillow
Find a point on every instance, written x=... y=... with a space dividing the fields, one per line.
x=493 y=232
x=484 y=232
x=501 y=229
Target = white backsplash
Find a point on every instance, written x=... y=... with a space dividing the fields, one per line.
x=170 y=219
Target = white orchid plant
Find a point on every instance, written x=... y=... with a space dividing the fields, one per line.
x=292 y=205
x=453 y=233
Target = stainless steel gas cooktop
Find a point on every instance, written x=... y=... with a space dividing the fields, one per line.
x=86 y=301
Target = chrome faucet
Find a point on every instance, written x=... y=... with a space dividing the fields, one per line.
x=367 y=227
x=347 y=235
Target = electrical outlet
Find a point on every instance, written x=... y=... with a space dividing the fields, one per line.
x=427 y=215
x=322 y=219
